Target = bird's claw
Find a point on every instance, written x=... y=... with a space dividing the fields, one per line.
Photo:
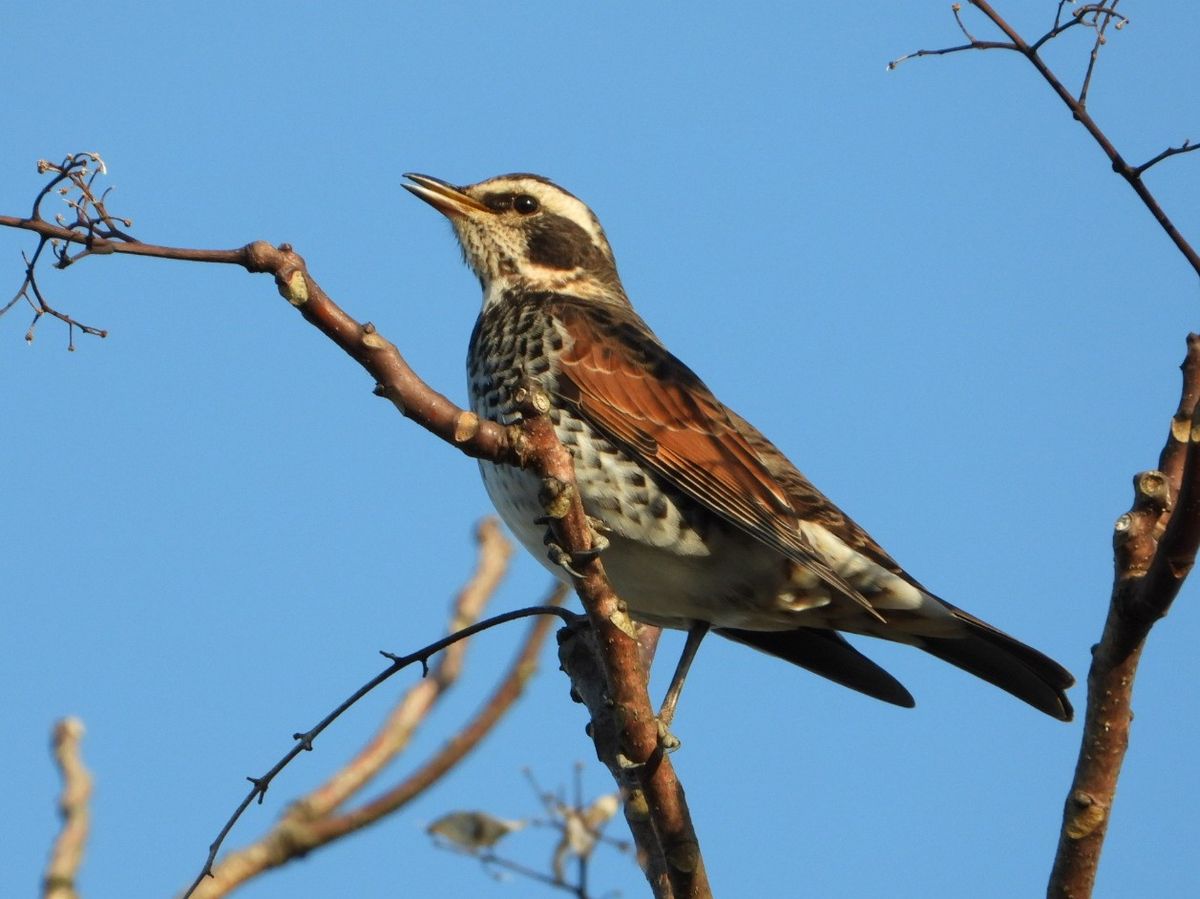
x=567 y=561
x=667 y=740
x=561 y=557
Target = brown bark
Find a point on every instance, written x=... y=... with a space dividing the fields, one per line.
x=532 y=444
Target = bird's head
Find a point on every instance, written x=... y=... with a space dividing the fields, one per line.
x=523 y=231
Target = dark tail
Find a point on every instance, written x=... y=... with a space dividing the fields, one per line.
x=1006 y=662
x=982 y=650
x=826 y=653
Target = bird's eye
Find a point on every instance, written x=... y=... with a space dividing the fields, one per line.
x=525 y=204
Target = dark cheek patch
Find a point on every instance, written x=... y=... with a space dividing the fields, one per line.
x=559 y=243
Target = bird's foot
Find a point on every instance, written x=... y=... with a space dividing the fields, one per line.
x=667 y=740
x=569 y=561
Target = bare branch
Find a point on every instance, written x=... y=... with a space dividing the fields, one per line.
x=1101 y=14
x=395 y=380
x=304 y=741
x=394 y=735
x=532 y=444
x=944 y=51
x=1155 y=547
x=296 y=833
x=67 y=854
x=956 y=8
x=30 y=291
x=656 y=793
x=1186 y=147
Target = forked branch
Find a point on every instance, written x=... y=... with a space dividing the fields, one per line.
x=530 y=444
x=1156 y=542
x=1097 y=16
x=320 y=817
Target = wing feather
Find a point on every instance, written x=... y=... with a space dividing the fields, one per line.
x=629 y=386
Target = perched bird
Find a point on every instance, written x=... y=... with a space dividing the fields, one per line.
x=708 y=525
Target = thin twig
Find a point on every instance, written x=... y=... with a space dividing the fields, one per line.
x=1101 y=16
x=306 y=825
x=304 y=741
x=945 y=51
x=1186 y=147
x=395 y=733
x=507 y=690
x=1131 y=174
x=1120 y=166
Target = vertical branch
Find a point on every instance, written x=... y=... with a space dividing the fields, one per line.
x=67 y=854
x=616 y=696
x=1156 y=540
x=1154 y=546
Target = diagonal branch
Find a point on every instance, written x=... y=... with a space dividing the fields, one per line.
x=1131 y=174
x=313 y=821
x=304 y=740
x=1102 y=14
x=531 y=444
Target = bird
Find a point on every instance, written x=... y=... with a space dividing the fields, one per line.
x=705 y=524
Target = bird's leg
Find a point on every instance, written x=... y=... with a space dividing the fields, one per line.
x=665 y=714
x=566 y=560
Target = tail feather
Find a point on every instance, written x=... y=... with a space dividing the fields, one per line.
x=980 y=649
x=1006 y=662
x=827 y=653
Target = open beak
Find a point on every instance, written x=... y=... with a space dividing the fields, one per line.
x=445 y=198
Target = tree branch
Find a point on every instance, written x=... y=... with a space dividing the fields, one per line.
x=304 y=740
x=622 y=703
x=300 y=831
x=1186 y=147
x=1155 y=543
x=1155 y=546
x=1102 y=14
x=531 y=444
x=67 y=853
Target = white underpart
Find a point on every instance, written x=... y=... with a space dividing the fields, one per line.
x=884 y=589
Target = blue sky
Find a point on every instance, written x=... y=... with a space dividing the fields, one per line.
x=925 y=285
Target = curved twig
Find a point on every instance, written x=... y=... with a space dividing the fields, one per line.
x=1186 y=147
x=311 y=822
x=304 y=741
